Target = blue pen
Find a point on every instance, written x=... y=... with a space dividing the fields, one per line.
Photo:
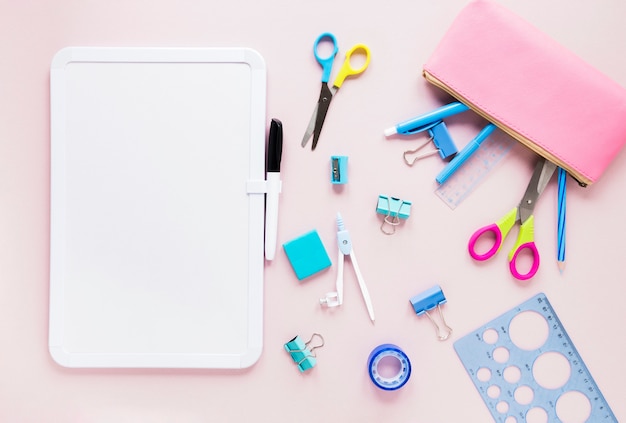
x=561 y=218
x=469 y=149
x=425 y=121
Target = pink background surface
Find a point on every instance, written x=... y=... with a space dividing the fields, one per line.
x=430 y=248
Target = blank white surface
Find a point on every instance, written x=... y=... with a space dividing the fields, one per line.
x=150 y=223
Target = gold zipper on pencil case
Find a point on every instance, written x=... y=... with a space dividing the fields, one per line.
x=581 y=179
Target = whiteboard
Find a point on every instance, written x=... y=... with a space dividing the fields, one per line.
x=157 y=206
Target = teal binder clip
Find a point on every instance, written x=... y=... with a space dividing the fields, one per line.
x=339 y=170
x=426 y=301
x=393 y=209
x=302 y=354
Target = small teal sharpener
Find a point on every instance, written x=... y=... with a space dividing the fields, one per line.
x=393 y=209
x=426 y=301
x=307 y=255
x=339 y=170
x=302 y=354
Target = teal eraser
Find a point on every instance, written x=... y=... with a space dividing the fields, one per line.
x=307 y=254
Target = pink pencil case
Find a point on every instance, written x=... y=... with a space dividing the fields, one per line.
x=531 y=87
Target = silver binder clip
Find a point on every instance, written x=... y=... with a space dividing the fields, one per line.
x=416 y=157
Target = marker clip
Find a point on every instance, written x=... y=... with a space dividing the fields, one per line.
x=393 y=209
x=300 y=352
x=428 y=300
x=339 y=170
x=439 y=135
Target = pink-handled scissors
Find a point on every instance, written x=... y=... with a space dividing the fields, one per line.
x=523 y=214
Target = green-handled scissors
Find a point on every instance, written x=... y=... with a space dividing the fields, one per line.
x=327 y=93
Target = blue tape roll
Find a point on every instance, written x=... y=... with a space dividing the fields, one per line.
x=389 y=383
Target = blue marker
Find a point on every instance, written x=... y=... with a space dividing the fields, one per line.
x=561 y=212
x=460 y=158
x=427 y=120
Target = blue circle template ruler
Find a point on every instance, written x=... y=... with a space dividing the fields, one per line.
x=478 y=353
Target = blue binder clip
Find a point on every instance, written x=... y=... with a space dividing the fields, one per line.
x=393 y=209
x=427 y=301
x=301 y=354
x=440 y=136
x=433 y=123
x=339 y=170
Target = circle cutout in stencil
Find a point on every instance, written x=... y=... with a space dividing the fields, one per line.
x=493 y=391
x=536 y=415
x=501 y=355
x=524 y=395
x=529 y=330
x=512 y=374
x=502 y=407
x=551 y=370
x=573 y=407
x=490 y=336
x=510 y=419
x=483 y=374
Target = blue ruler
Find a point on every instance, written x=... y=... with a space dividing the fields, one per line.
x=474 y=170
x=478 y=355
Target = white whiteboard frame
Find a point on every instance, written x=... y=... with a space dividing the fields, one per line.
x=65 y=346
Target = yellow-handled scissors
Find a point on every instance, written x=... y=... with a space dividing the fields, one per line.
x=327 y=93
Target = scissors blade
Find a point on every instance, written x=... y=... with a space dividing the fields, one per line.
x=326 y=96
x=538 y=182
x=309 y=129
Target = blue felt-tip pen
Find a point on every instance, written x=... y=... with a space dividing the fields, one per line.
x=423 y=122
x=464 y=154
